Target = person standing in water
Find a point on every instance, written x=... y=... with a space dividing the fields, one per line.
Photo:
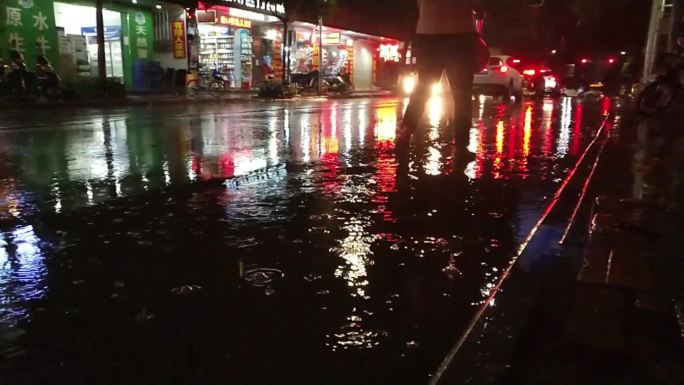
x=445 y=42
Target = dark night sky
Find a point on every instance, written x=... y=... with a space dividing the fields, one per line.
x=581 y=26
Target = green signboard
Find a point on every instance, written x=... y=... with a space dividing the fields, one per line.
x=138 y=36
x=29 y=27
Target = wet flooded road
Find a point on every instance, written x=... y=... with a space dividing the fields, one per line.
x=124 y=259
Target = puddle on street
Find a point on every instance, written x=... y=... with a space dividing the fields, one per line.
x=316 y=262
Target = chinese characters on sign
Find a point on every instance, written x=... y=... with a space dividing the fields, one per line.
x=141 y=35
x=30 y=27
x=178 y=34
x=263 y=5
x=331 y=38
x=235 y=22
x=389 y=52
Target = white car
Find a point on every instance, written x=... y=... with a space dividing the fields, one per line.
x=500 y=77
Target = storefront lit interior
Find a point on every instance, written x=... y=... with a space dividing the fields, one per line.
x=354 y=53
x=77 y=34
x=244 y=45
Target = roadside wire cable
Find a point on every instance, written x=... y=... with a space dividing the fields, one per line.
x=444 y=366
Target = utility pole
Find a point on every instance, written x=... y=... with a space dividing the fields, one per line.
x=101 y=59
x=320 y=54
x=657 y=11
x=677 y=30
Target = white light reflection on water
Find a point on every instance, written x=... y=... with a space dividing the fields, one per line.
x=273 y=140
x=565 y=128
x=355 y=250
x=435 y=110
x=435 y=114
x=22 y=273
x=363 y=124
x=347 y=129
x=305 y=131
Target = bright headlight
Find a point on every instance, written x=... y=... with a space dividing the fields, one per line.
x=409 y=84
x=436 y=89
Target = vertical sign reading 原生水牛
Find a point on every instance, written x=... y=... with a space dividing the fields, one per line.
x=29 y=27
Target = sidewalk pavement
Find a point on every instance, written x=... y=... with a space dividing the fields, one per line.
x=608 y=307
x=160 y=99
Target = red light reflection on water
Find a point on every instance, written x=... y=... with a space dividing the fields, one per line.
x=385 y=165
x=577 y=131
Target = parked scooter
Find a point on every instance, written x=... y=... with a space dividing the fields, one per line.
x=48 y=79
x=340 y=83
x=4 y=69
x=305 y=82
x=18 y=78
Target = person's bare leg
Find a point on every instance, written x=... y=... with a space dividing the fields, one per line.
x=429 y=72
x=460 y=76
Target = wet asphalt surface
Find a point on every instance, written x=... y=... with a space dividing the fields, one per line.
x=125 y=259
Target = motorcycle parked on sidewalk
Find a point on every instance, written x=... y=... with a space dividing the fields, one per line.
x=340 y=84
x=48 y=80
x=305 y=82
x=19 y=81
x=657 y=95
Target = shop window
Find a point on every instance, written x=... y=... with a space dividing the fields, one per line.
x=76 y=26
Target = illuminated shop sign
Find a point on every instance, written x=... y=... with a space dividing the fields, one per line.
x=332 y=38
x=234 y=22
x=389 y=52
x=262 y=5
x=178 y=34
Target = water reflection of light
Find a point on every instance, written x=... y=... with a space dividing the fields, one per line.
x=89 y=192
x=58 y=198
x=435 y=110
x=499 y=149
x=363 y=125
x=167 y=175
x=355 y=250
x=565 y=123
x=190 y=166
x=22 y=270
x=547 y=117
x=577 y=130
x=351 y=335
x=333 y=119
x=386 y=128
x=273 y=139
x=245 y=162
x=527 y=131
x=606 y=106
x=11 y=204
x=481 y=106
x=474 y=140
x=286 y=125
x=306 y=137
x=433 y=162
x=477 y=139
x=347 y=129
x=331 y=145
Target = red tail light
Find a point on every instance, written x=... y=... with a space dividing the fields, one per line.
x=611 y=61
x=503 y=69
x=529 y=72
x=584 y=61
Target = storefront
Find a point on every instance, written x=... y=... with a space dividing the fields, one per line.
x=128 y=40
x=65 y=32
x=343 y=51
x=244 y=45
